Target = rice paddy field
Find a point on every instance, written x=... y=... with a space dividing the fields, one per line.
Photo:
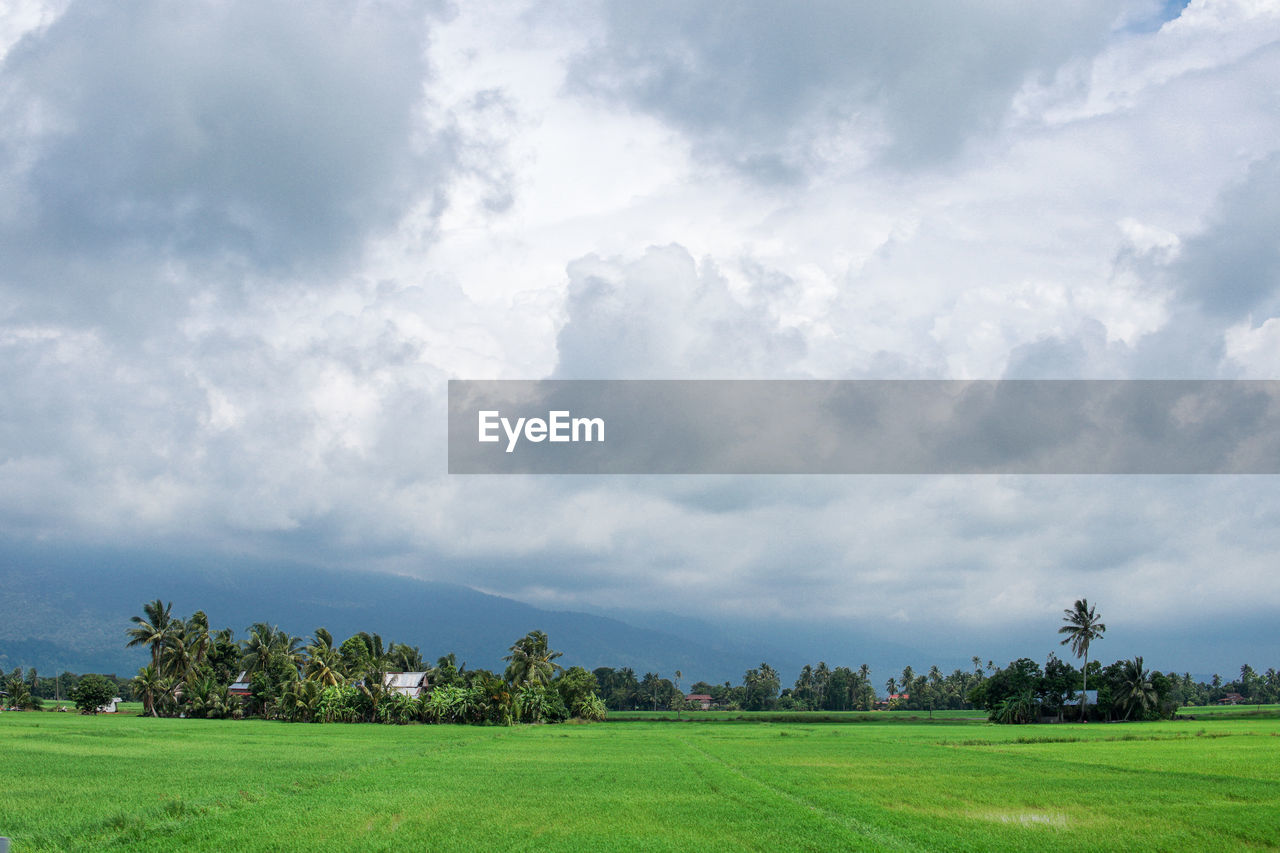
x=885 y=782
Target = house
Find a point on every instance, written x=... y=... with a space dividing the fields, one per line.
x=883 y=704
x=241 y=685
x=699 y=700
x=1074 y=702
x=409 y=684
x=111 y=707
x=1232 y=699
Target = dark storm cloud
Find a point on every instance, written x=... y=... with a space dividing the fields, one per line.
x=254 y=137
x=754 y=83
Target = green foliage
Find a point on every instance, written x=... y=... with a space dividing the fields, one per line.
x=20 y=692
x=92 y=693
x=151 y=688
x=531 y=660
x=591 y=708
x=575 y=685
x=761 y=688
x=396 y=708
x=207 y=699
x=338 y=704
x=537 y=703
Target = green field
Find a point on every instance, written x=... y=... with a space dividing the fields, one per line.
x=69 y=782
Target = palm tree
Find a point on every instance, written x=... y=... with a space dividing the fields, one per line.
x=1136 y=688
x=176 y=656
x=531 y=660
x=198 y=638
x=152 y=630
x=150 y=685
x=407 y=658
x=266 y=643
x=1082 y=628
x=323 y=660
x=258 y=647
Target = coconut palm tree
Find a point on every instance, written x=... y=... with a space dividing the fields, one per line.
x=153 y=629
x=151 y=686
x=531 y=660
x=1136 y=689
x=266 y=643
x=198 y=638
x=324 y=663
x=1082 y=628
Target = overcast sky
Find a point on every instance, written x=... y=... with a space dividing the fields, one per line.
x=244 y=245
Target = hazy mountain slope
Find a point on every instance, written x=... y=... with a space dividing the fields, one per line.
x=69 y=610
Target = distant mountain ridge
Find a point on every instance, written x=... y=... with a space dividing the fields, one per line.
x=68 y=610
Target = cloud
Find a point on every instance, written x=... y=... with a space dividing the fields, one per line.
x=773 y=89
x=660 y=316
x=1231 y=269
x=150 y=143
x=243 y=246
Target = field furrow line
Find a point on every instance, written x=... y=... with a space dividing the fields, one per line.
x=862 y=829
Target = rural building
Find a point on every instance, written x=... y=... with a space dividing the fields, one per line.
x=1074 y=702
x=893 y=697
x=241 y=685
x=699 y=700
x=409 y=684
x=111 y=707
x=1232 y=699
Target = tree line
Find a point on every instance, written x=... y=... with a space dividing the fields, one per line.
x=284 y=677
x=1020 y=692
x=192 y=668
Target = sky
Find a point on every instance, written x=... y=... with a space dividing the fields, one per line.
x=244 y=245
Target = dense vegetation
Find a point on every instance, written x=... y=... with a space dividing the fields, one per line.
x=192 y=670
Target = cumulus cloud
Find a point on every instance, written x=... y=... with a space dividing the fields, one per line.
x=661 y=316
x=775 y=88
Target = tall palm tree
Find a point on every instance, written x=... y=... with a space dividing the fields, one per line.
x=1082 y=628
x=531 y=660
x=153 y=629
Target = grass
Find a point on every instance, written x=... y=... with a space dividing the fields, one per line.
x=69 y=782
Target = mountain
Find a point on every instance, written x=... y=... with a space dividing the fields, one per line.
x=67 y=609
